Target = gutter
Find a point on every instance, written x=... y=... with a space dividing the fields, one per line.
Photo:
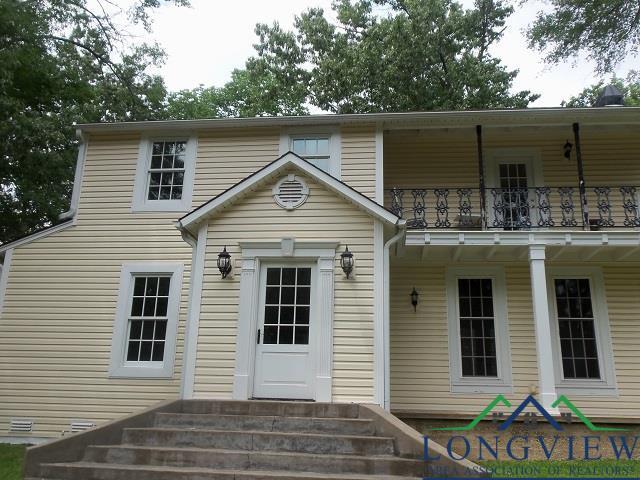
x=400 y=231
x=77 y=180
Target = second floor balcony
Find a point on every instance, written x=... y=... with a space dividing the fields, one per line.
x=516 y=208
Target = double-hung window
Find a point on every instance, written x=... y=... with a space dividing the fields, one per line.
x=165 y=173
x=479 y=339
x=580 y=326
x=145 y=328
x=319 y=147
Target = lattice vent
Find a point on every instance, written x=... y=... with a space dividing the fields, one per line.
x=290 y=192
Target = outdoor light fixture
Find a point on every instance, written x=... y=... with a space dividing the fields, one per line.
x=414 y=299
x=346 y=261
x=224 y=262
x=567 y=150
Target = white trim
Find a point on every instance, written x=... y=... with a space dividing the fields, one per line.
x=35 y=236
x=629 y=238
x=531 y=157
x=271 y=171
x=542 y=326
x=386 y=300
x=379 y=164
x=287 y=135
x=606 y=386
x=193 y=317
x=378 y=313
x=253 y=253
x=119 y=368
x=4 y=276
x=77 y=179
x=139 y=202
x=459 y=384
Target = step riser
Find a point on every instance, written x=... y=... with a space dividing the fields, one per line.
x=251 y=460
x=282 y=409
x=260 y=441
x=267 y=424
x=89 y=473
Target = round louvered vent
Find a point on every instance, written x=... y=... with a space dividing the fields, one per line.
x=290 y=192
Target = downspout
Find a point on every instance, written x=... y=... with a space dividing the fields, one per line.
x=77 y=180
x=400 y=231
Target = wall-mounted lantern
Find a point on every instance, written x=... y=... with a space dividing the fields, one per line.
x=414 y=299
x=346 y=261
x=224 y=262
x=568 y=147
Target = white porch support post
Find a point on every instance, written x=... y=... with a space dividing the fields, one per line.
x=547 y=382
x=325 y=337
x=246 y=324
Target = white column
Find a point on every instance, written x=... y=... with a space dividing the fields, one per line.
x=325 y=332
x=546 y=375
x=246 y=333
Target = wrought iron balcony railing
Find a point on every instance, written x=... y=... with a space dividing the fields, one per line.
x=515 y=208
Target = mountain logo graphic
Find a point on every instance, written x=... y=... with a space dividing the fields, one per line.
x=530 y=401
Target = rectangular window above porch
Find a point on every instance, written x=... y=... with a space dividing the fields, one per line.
x=320 y=146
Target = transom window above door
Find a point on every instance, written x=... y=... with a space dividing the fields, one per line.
x=287 y=305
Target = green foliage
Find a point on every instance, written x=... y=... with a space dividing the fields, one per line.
x=607 y=30
x=62 y=63
x=11 y=458
x=630 y=88
x=380 y=55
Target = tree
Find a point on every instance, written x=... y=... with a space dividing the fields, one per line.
x=63 y=63
x=630 y=88
x=608 y=31
x=381 y=55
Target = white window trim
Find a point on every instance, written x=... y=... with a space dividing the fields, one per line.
x=605 y=386
x=140 y=202
x=119 y=367
x=287 y=135
x=503 y=382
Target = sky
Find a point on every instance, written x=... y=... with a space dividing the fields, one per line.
x=206 y=42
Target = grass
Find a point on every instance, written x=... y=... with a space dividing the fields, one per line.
x=11 y=457
x=565 y=469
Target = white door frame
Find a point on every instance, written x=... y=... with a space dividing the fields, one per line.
x=253 y=253
x=531 y=157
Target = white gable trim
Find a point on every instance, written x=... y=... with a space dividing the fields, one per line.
x=289 y=159
x=45 y=232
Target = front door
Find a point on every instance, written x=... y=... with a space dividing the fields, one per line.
x=284 y=361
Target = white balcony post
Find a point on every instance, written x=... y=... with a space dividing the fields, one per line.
x=546 y=375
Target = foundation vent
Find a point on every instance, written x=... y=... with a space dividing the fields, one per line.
x=21 y=425
x=290 y=192
x=81 y=426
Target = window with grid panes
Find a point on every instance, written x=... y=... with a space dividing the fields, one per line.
x=287 y=306
x=147 y=324
x=167 y=170
x=313 y=149
x=515 y=193
x=577 y=330
x=477 y=327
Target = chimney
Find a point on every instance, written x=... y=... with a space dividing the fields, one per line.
x=611 y=96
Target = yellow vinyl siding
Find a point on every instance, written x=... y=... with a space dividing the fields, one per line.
x=419 y=343
x=359 y=159
x=323 y=217
x=60 y=303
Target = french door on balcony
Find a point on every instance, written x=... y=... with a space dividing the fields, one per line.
x=510 y=192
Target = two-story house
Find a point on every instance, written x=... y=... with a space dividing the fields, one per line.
x=422 y=261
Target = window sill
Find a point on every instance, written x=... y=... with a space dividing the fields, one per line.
x=599 y=389
x=477 y=386
x=161 y=206
x=124 y=371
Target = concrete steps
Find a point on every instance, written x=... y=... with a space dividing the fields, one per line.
x=202 y=440
x=99 y=471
